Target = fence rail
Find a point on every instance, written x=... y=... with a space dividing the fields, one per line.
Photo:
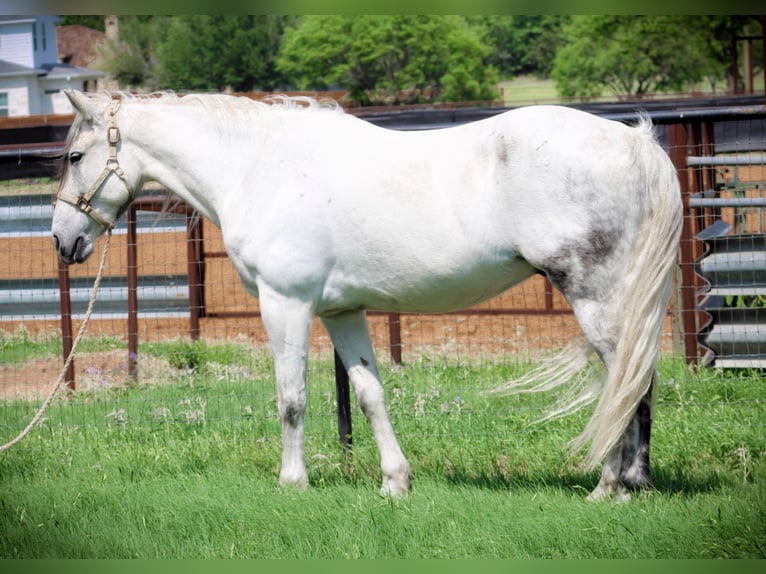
x=700 y=142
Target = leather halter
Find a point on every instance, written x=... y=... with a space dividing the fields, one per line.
x=82 y=202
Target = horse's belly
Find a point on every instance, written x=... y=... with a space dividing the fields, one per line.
x=424 y=292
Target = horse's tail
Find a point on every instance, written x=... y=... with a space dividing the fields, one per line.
x=640 y=304
x=638 y=311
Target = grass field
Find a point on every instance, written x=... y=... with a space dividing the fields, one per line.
x=526 y=90
x=188 y=469
x=529 y=90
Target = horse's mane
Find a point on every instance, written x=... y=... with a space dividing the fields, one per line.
x=222 y=103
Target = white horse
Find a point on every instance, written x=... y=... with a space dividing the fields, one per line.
x=324 y=214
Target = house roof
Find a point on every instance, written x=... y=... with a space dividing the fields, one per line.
x=49 y=71
x=11 y=69
x=5 y=19
x=67 y=71
x=77 y=45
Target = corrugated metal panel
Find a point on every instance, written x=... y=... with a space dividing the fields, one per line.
x=734 y=265
x=162 y=296
x=30 y=216
x=158 y=296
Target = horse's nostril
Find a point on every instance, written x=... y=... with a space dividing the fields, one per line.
x=76 y=244
x=56 y=242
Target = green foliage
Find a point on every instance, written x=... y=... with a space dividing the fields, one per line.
x=196 y=356
x=522 y=44
x=745 y=301
x=220 y=52
x=132 y=60
x=633 y=55
x=408 y=59
x=390 y=59
x=95 y=22
x=721 y=33
x=19 y=346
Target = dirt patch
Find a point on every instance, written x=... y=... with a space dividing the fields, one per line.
x=103 y=370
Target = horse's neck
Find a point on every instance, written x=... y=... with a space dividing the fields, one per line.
x=185 y=155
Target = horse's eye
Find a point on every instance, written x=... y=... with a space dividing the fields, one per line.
x=75 y=156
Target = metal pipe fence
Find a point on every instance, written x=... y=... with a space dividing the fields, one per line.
x=719 y=157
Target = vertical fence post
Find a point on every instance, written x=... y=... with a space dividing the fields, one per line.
x=344 y=402
x=395 y=337
x=66 y=321
x=548 y=295
x=194 y=271
x=679 y=139
x=709 y=175
x=763 y=46
x=132 y=294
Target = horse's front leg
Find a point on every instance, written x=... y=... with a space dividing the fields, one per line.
x=287 y=322
x=351 y=338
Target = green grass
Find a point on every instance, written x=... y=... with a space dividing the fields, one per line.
x=28 y=185
x=529 y=90
x=189 y=469
x=19 y=347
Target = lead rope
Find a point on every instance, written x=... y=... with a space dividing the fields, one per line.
x=70 y=358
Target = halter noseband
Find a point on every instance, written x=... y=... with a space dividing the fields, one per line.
x=82 y=202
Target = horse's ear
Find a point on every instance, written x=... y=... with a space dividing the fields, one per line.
x=80 y=103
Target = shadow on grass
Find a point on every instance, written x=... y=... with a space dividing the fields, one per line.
x=673 y=479
x=668 y=481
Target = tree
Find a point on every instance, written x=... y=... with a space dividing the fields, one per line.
x=722 y=45
x=390 y=59
x=522 y=44
x=220 y=52
x=95 y=22
x=633 y=55
x=131 y=60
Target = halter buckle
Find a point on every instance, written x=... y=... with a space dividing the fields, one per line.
x=83 y=204
x=113 y=135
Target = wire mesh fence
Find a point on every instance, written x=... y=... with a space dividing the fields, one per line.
x=192 y=351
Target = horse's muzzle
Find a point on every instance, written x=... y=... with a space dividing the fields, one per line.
x=79 y=251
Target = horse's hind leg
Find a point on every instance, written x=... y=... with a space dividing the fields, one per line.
x=593 y=319
x=635 y=473
x=351 y=338
x=626 y=466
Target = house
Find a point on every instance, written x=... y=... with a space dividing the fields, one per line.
x=32 y=79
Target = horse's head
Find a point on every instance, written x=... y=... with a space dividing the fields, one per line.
x=96 y=185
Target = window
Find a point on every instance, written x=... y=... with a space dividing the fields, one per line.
x=3 y=104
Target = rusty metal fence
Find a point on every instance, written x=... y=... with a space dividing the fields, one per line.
x=722 y=170
x=168 y=276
